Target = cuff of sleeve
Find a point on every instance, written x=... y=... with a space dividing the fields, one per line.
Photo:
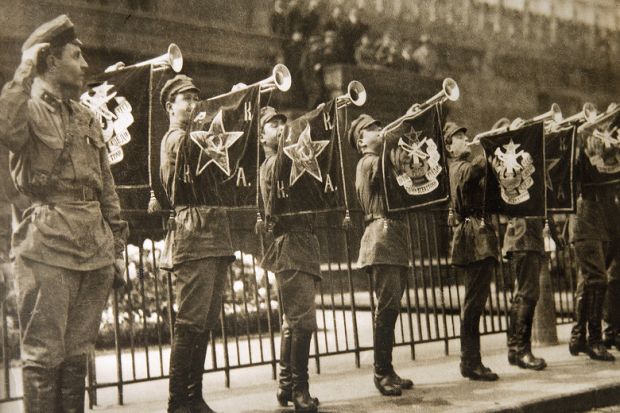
x=24 y=75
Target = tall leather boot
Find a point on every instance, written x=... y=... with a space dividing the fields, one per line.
x=41 y=390
x=596 y=348
x=197 y=403
x=180 y=368
x=612 y=315
x=523 y=337
x=577 y=343
x=285 y=376
x=72 y=386
x=384 y=380
x=300 y=352
x=510 y=334
x=471 y=363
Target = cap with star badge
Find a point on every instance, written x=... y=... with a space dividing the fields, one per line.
x=358 y=125
x=267 y=114
x=178 y=84
x=57 y=32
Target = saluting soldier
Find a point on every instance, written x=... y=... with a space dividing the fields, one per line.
x=200 y=251
x=69 y=242
x=294 y=257
x=474 y=244
x=383 y=251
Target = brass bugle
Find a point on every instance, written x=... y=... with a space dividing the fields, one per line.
x=500 y=126
x=172 y=58
x=587 y=114
x=554 y=114
x=449 y=91
x=611 y=110
x=280 y=79
x=356 y=95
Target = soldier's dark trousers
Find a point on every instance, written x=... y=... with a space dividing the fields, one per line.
x=477 y=282
x=59 y=314
x=597 y=264
x=526 y=267
x=199 y=288
x=297 y=292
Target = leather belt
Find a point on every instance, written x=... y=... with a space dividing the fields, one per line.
x=82 y=194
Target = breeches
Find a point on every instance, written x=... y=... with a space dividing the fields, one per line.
x=297 y=292
x=526 y=266
x=59 y=310
x=389 y=284
x=199 y=288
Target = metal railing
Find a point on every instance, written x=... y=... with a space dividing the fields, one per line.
x=133 y=344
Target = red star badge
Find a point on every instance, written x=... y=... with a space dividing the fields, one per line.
x=304 y=155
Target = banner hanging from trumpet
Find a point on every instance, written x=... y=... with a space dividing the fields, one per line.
x=308 y=166
x=600 y=158
x=516 y=172
x=121 y=102
x=413 y=162
x=218 y=162
x=560 y=170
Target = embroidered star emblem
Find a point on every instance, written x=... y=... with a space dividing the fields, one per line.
x=607 y=137
x=550 y=164
x=510 y=158
x=214 y=145
x=304 y=155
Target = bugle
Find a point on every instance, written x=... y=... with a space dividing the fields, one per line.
x=500 y=126
x=449 y=91
x=172 y=58
x=553 y=114
x=280 y=79
x=587 y=114
x=611 y=110
x=356 y=95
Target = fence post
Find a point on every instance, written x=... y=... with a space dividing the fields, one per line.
x=544 y=331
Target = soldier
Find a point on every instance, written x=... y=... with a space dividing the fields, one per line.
x=595 y=233
x=525 y=247
x=200 y=251
x=294 y=257
x=474 y=244
x=383 y=251
x=69 y=243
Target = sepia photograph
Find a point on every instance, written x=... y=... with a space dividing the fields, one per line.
x=309 y=206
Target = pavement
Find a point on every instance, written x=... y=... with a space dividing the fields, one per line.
x=569 y=384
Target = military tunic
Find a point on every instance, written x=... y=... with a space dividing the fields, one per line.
x=67 y=240
x=198 y=248
x=293 y=255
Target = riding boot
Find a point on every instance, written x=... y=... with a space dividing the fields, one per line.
x=384 y=380
x=197 y=403
x=72 y=386
x=596 y=349
x=285 y=376
x=300 y=353
x=523 y=337
x=612 y=315
x=41 y=390
x=577 y=343
x=471 y=363
x=510 y=335
x=180 y=368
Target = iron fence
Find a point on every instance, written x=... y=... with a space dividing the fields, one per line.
x=133 y=344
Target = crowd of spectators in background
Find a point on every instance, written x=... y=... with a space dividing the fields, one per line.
x=313 y=37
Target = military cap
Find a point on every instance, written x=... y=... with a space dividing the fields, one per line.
x=178 y=84
x=450 y=128
x=267 y=114
x=358 y=125
x=57 y=32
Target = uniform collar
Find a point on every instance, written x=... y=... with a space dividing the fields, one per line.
x=176 y=124
x=45 y=92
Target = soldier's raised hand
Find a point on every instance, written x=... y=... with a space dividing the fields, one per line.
x=31 y=53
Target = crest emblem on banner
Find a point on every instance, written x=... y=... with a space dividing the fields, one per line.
x=514 y=171
x=114 y=112
x=418 y=161
x=304 y=155
x=603 y=149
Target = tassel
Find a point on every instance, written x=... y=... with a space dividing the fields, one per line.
x=616 y=200
x=260 y=226
x=451 y=218
x=172 y=224
x=347 y=224
x=483 y=223
x=385 y=224
x=580 y=198
x=154 y=205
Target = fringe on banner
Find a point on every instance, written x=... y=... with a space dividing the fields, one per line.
x=347 y=224
x=154 y=205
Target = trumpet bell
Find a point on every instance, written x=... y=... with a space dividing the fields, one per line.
x=175 y=58
x=282 y=77
x=356 y=95
x=589 y=112
x=451 y=89
x=556 y=112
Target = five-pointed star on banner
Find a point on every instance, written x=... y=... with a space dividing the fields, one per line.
x=304 y=154
x=214 y=144
x=550 y=164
